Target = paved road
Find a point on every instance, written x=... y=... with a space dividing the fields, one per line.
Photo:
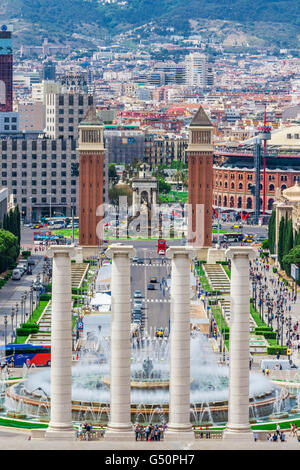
x=10 y=295
x=156 y=303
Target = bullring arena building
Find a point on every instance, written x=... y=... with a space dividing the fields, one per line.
x=234 y=171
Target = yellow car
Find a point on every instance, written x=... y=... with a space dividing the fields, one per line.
x=153 y=279
x=159 y=333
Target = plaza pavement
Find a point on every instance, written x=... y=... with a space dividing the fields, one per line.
x=20 y=440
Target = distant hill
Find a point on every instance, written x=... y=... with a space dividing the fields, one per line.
x=62 y=19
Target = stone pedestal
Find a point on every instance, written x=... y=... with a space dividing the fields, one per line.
x=216 y=254
x=60 y=426
x=120 y=426
x=179 y=426
x=238 y=426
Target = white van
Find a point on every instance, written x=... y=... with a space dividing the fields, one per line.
x=16 y=275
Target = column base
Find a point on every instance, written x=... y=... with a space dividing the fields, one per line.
x=178 y=433
x=238 y=433
x=67 y=433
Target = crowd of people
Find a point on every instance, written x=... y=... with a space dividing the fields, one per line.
x=150 y=432
x=272 y=292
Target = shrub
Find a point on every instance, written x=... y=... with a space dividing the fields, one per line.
x=27 y=329
x=26 y=254
x=274 y=270
x=272 y=350
x=45 y=297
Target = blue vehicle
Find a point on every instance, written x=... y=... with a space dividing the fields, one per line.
x=28 y=354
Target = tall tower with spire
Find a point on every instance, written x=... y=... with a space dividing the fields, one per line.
x=91 y=177
x=200 y=180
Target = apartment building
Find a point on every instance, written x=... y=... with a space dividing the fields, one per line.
x=64 y=111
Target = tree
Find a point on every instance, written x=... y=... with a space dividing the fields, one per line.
x=288 y=243
x=280 y=248
x=9 y=249
x=272 y=232
x=120 y=190
x=163 y=186
x=112 y=173
x=293 y=257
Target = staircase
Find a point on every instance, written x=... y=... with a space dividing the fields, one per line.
x=217 y=277
x=44 y=334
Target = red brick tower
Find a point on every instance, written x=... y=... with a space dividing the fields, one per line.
x=91 y=174
x=200 y=180
x=6 y=69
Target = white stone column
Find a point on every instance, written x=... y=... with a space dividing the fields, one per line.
x=179 y=426
x=120 y=426
x=238 y=425
x=60 y=426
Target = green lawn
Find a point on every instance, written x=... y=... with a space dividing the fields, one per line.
x=67 y=232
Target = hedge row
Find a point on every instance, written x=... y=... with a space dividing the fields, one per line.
x=45 y=297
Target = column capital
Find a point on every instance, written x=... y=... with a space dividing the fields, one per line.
x=120 y=249
x=63 y=250
x=240 y=252
x=174 y=251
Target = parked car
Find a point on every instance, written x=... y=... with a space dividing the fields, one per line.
x=21 y=268
x=16 y=275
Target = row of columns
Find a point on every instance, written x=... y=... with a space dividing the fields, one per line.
x=120 y=426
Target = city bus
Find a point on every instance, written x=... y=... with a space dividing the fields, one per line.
x=28 y=354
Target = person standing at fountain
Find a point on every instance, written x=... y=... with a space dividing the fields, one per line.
x=137 y=432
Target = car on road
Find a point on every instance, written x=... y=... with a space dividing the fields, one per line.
x=161 y=252
x=16 y=275
x=216 y=226
x=151 y=286
x=260 y=238
x=137 y=260
x=153 y=280
x=136 y=320
x=159 y=333
x=236 y=226
x=22 y=269
x=138 y=294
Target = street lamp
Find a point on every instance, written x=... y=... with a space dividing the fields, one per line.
x=17 y=310
x=31 y=300
x=25 y=298
x=5 y=329
x=22 y=308
x=12 y=323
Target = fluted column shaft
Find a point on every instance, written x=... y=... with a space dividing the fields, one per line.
x=61 y=345
x=180 y=379
x=120 y=352
x=239 y=351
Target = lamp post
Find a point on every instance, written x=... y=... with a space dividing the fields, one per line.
x=22 y=308
x=31 y=300
x=5 y=329
x=25 y=298
x=12 y=323
x=17 y=311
